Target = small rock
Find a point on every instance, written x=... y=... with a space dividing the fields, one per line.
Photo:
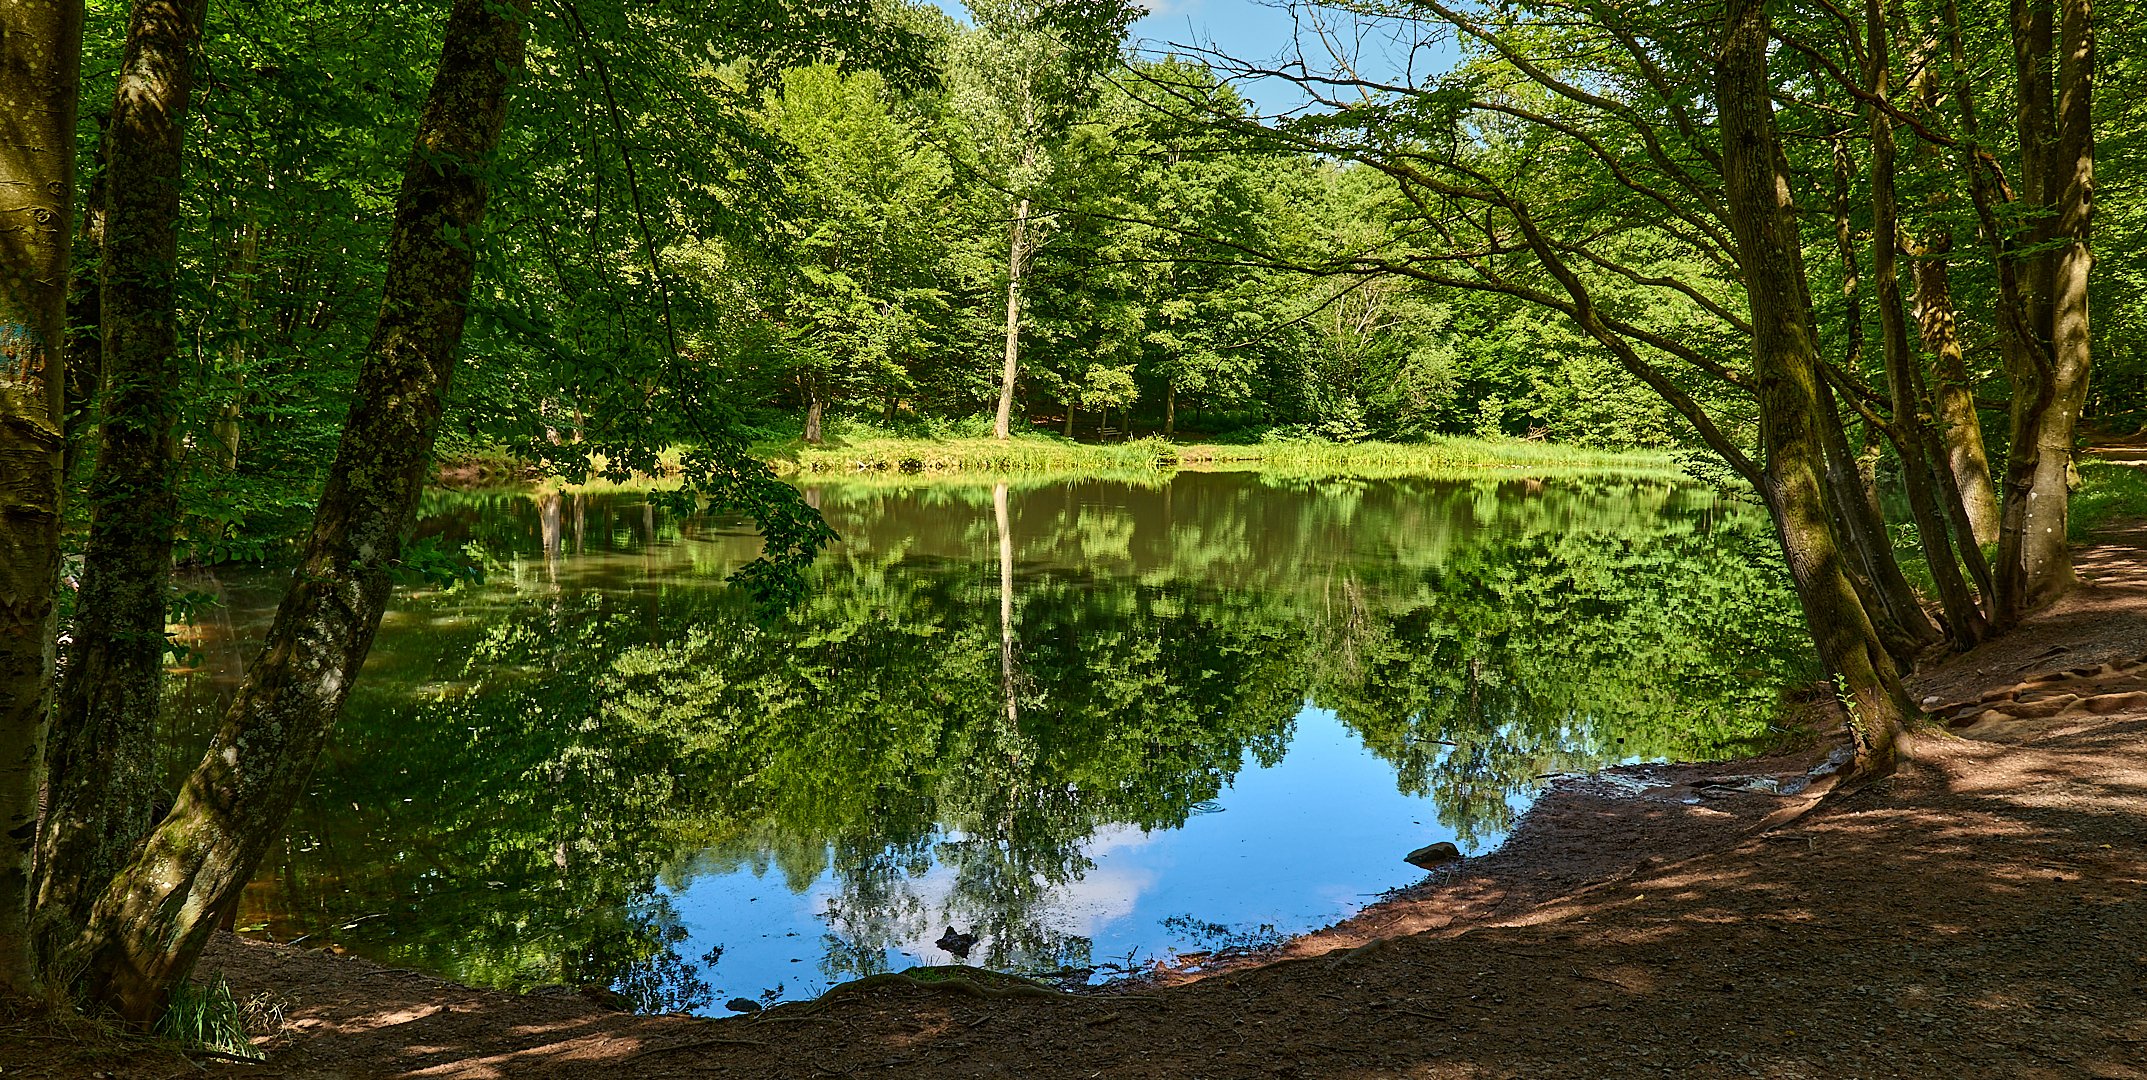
x=742 y=1005
x=1433 y=855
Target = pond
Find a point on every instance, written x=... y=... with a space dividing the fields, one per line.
x=1091 y=724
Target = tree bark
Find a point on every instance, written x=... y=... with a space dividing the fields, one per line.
x=152 y=921
x=815 y=410
x=1170 y=410
x=1867 y=552
x=1016 y=263
x=2067 y=181
x=1952 y=398
x=1769 y=249
x=246 y=271
x=1850 y=482
x=1960 y=428
x=1964 y=620
x=40 y=71
x=102 y=790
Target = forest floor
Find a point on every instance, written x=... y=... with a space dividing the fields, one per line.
x=1983 y=913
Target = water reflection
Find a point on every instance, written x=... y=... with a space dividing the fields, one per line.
x=1080 y=721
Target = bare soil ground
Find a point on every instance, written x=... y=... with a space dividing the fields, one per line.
x=1980 y=914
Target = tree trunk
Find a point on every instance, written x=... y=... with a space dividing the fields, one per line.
x=1959 y=428
x=1006 y=605
x=1953 y=399
x=1850 y=482
x=1069 y=418
x=815 y=409
x=1764 y=225
x=152 y=921
x=102 y=790
x=40 y=71
x=245 y=274
x=1017 y=259
x=1170 y=410
x=1867 y=552
x=2061 y=305
x=2028 y=364
x=1964 y=620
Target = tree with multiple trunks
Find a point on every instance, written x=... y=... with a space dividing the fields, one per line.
x=1648 y=173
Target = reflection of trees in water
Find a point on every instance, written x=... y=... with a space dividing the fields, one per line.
x=510 y=818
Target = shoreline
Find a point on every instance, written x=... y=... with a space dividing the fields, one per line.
x=1037 y=458
x=1967 y=916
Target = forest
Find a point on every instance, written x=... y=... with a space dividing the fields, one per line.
x=268 y=264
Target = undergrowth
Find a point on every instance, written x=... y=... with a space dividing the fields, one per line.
x=2108 y=493
x=205 y=1016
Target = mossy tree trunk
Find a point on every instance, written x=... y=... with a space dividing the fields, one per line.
x=2064 y=182
x=1785 y=377
x=150 y=924
x=1965 y=623
x=40 y=71
x=101 y=783
x=2054 y=63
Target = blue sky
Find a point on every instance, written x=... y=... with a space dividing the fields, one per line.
x=1261 y=30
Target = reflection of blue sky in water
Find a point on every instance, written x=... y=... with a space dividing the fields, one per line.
x=596 y=767
x=1296 y=847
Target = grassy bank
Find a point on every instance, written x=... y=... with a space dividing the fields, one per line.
x=2108 y=493
x=1046 y=454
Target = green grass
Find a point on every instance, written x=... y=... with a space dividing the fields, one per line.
x=2108 y=493
x=1031 y=454
x=205 y=1016
x=1023 y=454
x=1437 y=454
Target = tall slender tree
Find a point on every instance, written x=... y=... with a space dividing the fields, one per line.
x=1019 y=82
x=102 y=785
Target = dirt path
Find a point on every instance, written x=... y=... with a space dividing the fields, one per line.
x=1982 y=914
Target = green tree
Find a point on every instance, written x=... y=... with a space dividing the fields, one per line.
x=1017 y=84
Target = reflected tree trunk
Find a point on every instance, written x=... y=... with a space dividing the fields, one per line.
x=1006 y=605
x=40 y=72
x=551 y=532
x=150 y=925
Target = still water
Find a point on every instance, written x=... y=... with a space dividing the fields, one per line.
x=1092 y=724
